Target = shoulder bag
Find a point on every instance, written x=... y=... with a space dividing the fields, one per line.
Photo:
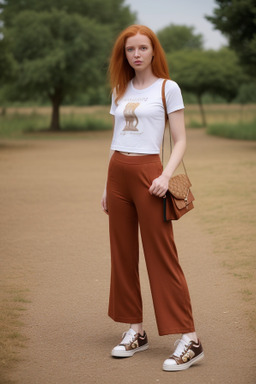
x=179 y=198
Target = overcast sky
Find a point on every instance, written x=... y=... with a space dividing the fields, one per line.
x=157 y=14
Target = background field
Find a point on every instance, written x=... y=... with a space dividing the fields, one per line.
x=234 y=121
x=55 y=269
x=54 y=256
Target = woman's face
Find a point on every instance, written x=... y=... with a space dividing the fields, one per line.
x=139 y=52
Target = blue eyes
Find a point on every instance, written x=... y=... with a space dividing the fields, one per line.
x=132 y=49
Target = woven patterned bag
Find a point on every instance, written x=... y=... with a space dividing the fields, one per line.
x=179 y=198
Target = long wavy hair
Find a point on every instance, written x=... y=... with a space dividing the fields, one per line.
x=120 y=71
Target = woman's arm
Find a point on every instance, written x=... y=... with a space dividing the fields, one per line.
x=104 y=202
x=160 y=184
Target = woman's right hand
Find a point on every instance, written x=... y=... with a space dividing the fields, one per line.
x=104 y=203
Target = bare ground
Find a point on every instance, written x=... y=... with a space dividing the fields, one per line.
x=54 y=242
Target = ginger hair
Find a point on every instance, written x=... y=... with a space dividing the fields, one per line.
x=120 y=72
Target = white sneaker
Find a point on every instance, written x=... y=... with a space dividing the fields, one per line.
x=131 y=343
x=187 y=353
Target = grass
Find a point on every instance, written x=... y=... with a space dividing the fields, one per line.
x=219 y=113
x=239 y=131
x=13 y=300
x=86 y=124
x=31 y=122
x=21 y=125
x=195 y=124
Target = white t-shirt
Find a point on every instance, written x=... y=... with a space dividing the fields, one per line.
x=140 y=117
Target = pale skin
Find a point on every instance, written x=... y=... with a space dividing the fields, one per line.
x=139 y=53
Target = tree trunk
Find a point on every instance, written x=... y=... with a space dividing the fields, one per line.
x=242 y=113
x=199 y=98
x=55 y=119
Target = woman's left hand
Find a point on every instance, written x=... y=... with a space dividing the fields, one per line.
x=159 y=186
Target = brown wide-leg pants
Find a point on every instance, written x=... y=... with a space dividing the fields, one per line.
x=130 y=204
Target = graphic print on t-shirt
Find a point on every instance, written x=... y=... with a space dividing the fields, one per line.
x=131 y=119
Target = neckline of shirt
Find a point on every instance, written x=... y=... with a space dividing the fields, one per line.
x=144 y=89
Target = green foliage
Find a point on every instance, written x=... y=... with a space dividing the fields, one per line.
x=113 y=13
x=58 y=52
x=239 y=131
x=174 y=38
x=93 y=96
x=61 y=46
x=200 y=72
x=8 y=65
x=237 y=20
x=211 y=72
x=247 y=93
x=195 y=124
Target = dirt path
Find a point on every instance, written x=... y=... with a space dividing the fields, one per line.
x=55 y=242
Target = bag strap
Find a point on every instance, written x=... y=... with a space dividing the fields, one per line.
x=166 y=119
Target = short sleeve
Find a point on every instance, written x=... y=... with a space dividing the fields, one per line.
x=174 y=100
x=113 y=105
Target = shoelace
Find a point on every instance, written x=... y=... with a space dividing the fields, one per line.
x=128 y=337
x=181 y=348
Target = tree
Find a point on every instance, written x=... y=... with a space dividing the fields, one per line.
x=178 y=37
x=113 y=13
x=61 y=52
x=237 y=20
x=200 y=72
x=7 y=62
x=58 y=54
x=8 y=66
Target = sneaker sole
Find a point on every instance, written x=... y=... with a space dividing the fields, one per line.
x=129 y=353
x=184 y=366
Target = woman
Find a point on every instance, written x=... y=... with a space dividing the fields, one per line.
x=132 y=196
